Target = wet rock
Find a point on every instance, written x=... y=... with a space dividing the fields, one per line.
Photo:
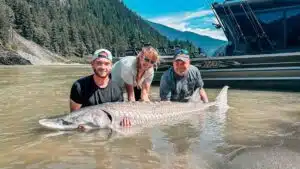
x=8 y=57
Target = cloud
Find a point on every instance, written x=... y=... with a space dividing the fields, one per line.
x=216 y=34
x=199 y=22
x=180 y=17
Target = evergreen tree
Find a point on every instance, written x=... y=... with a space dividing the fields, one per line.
x=75 y=27
x=5 y=23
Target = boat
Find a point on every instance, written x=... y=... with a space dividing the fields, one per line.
x=263 y=49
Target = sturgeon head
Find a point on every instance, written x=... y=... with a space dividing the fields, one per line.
x=88 y=117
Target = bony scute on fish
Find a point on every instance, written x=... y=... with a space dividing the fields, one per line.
x=140 y=114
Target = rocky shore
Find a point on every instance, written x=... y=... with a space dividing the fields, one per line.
x=25 y=52
x=8 y=57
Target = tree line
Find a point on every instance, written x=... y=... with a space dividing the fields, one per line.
x=76 y=27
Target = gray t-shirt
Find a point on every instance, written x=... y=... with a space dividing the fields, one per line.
x=176 y=88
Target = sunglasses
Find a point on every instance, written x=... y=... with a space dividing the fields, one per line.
x=149 y=60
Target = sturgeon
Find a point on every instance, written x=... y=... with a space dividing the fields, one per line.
x=141 y=114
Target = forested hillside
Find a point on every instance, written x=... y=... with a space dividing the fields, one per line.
x=78 y=27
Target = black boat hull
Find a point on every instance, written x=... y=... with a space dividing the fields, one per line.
x=266 y=72
x=245 y=82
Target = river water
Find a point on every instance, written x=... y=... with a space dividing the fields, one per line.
x=28 y=93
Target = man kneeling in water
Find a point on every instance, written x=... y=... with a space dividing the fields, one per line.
x=179 y=82
x=97 y=88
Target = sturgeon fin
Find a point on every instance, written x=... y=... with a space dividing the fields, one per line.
x=195 y=96
x=221 y=100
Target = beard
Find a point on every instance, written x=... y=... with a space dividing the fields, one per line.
x=181 y=72
x=101 y=73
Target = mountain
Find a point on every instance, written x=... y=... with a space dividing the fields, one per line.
x=77 y=27
x=208 y=44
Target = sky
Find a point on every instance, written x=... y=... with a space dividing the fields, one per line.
x=184 y=15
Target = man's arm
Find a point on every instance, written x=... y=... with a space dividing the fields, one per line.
x=164 y=88
x=120 y=95
x=75 y=97
x=200 y=83
x=74 y=106
x=203 y=95
x=130 y=92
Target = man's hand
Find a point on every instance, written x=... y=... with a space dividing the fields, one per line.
x=203 y=96
x=125 y=122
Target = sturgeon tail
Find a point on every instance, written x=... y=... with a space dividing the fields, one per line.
x=221 y=103
x=222 y=100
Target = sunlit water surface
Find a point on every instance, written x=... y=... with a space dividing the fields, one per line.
x=28 y=93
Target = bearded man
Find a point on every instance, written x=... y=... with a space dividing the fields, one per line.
x=180 y=81
x=97 y=88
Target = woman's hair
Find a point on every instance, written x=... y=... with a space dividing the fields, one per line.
x=149 y=50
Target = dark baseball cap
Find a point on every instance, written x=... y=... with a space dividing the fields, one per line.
x=182 y=54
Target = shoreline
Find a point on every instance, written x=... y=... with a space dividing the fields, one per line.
x=39 y=65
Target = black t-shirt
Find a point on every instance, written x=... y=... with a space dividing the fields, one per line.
x=85 y=91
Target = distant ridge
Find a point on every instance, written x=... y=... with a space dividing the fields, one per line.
x=208 y=44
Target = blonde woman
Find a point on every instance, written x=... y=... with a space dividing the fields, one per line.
x=135 y=73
